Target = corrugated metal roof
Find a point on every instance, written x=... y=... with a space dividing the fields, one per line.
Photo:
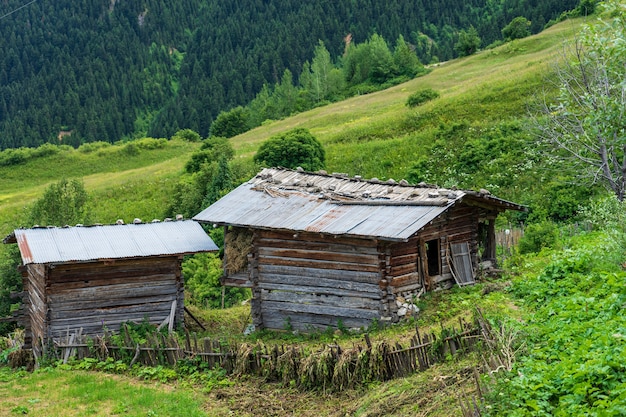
x=334 y=204
x=89 y=243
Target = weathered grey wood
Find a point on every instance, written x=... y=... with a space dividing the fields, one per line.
x=461 y=257
x=373 y=293
x=331 y=274
x=328 y=246
x=148 y=279
x=322 y=310
x=323 y=301
x=308 y=322
x=97 y=311
x=319 y=255
x=319 y=264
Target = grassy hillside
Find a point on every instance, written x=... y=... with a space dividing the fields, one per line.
x=374 y=135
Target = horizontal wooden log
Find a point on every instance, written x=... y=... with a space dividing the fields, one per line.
x=317 y=237
x=402 y=270
x=101 y=313
x=115 y=292
x=404 y=288
x=403 y=249
x=319 y=255
x=120 y=268
x=329 y=245
x=304 y=263
x=320 y=310
x=322 y=300
x=309 y=322
x=317 y=273
x=407 y=279
x=149 y=278
x=377 y=295
x=410 y=259
x=322 y=284
x=104 y=303
x=153 y=316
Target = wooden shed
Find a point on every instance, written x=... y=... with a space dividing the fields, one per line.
x=322 y=250
x=90 y=278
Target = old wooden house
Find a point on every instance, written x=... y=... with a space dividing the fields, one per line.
x=322 y=250
x=90 y=278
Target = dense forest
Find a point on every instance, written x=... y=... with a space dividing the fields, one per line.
x=102 y=70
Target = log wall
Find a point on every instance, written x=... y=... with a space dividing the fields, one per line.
x=308 y=281
x=34 y=281
x=98 y=295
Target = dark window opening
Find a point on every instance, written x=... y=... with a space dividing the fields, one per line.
x=433 y=254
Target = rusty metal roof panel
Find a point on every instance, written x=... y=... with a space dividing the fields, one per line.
x=284 y=199
x=80 y=244
x=298 y=212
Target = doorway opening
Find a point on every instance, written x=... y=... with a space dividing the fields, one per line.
x=433 y=255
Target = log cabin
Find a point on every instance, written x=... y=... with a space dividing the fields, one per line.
x=323 y=250
x=91 y=279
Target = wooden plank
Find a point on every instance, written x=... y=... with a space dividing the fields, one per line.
x=67 y=307
x=77 y=272
x=324 y=246
x=307 y=322
x=320 y=310
x=341 y=275
x=97 y=281
x=317 y=237
x=116 y=291
x=462 y=263
x=112 y=322
x=317 y=282
x=399 y=260
x=100 y=314
x=374 y=292
x=403 y=269
x=404 y=288
x=316 y=264
x=324 y=301
x=319 y=255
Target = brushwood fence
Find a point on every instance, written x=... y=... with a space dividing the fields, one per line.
x=330 y=367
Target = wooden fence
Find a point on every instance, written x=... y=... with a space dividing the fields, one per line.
x=331 y=366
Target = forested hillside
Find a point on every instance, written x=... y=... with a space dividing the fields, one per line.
x=80 y=71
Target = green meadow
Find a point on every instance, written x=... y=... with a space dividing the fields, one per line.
x=473 y=136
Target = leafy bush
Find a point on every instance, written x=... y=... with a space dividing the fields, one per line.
x=292 y=149
x=188 y=135
x=212 y=150
x=538 y=236
x=93 y=146
x=150 y=143
x=10 y=281
x=64 y=202
x=230 y=123
x=605 y=213
x=202 y=281
x=421 y=96
x=518 y=28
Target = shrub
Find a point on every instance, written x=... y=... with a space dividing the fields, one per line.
x=606 y=213
x=538 y=236
x=188 y=135
x=422 y=96
x=292 y=149
x=93 y=146
x=150 y=143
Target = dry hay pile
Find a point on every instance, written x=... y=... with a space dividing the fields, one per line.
x=237 y=246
